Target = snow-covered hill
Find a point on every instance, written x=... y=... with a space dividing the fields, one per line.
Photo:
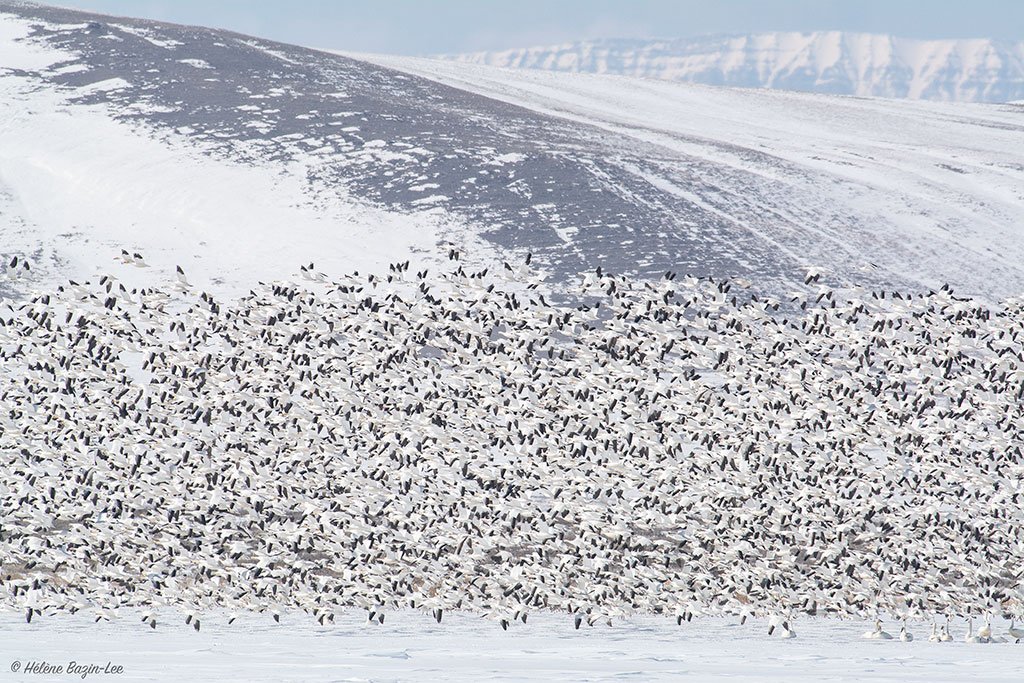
x=827 y=62
x=875 y=190
x=240 y=159
x=127 y=137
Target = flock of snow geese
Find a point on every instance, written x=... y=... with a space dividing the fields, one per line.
x=458 y=441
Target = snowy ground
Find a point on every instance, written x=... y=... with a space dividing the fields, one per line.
x=77 y=186
x=924 y=188
x=411 y=647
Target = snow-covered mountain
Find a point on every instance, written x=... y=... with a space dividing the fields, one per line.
x=241 y=159
x=831 y=62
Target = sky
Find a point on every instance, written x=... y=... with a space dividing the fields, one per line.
x=423 y=27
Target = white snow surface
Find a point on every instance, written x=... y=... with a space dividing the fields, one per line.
x=943 y=182
x=835 y=62
x=77 y=187
x=411 y=647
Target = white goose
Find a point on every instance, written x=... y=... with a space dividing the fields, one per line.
x=944 y=634
x=985 y=632
x=970 y=637
x=878 y=633
x=787 y=631
x=781 y=625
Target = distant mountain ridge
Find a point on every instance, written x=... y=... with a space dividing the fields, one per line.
x=834 y=62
